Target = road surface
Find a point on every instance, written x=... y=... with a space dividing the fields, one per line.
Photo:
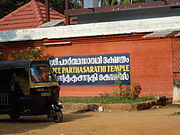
x=161 y=121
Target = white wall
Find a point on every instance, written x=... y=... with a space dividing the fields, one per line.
x=93 y=29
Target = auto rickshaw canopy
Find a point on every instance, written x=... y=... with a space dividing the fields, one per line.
x=20 y=64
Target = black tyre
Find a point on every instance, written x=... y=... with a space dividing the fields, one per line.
x=14 y=116
x=57 y=117
x=15 y=107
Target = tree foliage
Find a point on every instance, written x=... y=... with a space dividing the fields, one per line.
x=109 y=2
x=119 y=2
x=29 y=54
x=57 y=5
x=130 y=92
x=7 y=6
x=75 y=5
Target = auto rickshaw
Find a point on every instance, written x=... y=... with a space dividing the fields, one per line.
x=29 y=88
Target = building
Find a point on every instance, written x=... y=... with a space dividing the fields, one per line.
x=144 y=49
x=31 y=15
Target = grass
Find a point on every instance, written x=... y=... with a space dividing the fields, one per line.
x=108 y=100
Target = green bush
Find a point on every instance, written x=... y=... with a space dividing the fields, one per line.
x=29 y=54
x=124 y=92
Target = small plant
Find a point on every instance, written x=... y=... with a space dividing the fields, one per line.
x=29 y=54
x=124 y=92
x=136 y=89
x=105 y=95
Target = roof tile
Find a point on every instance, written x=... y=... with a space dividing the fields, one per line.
x=162 y=34
x=31 y=15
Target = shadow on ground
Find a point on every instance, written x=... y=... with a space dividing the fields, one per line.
x=28 y=123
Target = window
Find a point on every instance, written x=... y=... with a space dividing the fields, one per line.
x=40 y=74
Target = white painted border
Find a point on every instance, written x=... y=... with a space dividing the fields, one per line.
x=93 y=29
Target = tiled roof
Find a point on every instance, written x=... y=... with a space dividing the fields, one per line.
x=163 y=34
x=31 y=15
x=177 y=35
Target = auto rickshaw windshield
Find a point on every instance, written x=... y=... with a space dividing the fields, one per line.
x=40 y=74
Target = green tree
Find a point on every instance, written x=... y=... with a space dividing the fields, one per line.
x=75 y=5
x=139 y=1
x=7 y=6
x=109 y=2
x=126 y=2
x=57 y=5
x=118 y=2
x=29 y=54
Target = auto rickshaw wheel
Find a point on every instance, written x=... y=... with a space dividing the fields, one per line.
x=58 y=116
x=14 y=116
x=13 y=113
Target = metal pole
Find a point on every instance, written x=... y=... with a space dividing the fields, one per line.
x=47 y=10
x=66 y=8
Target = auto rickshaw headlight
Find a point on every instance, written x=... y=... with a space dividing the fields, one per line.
x=52 y=106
